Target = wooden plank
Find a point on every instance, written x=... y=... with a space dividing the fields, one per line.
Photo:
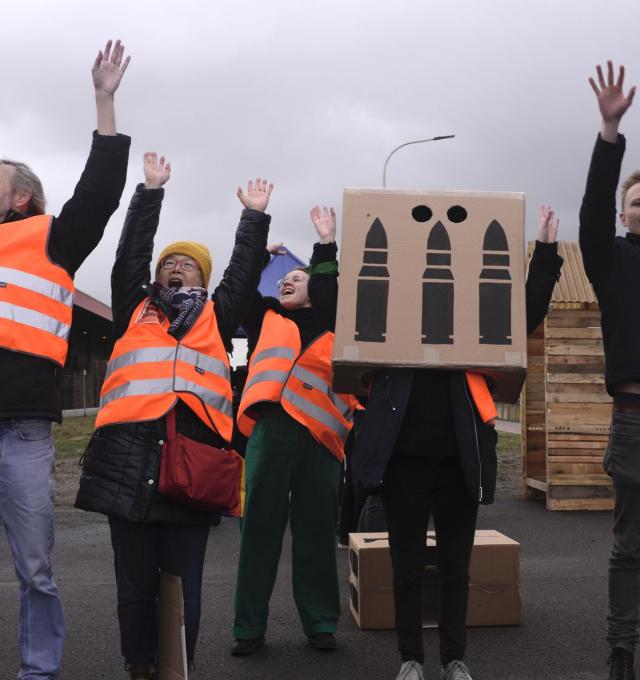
x=577 y=428
x=576 y=360
x=580 y=480
x=575 y=378
x=537 y=484
x=580 y=503
x=570 y=467
x=574 y=388
x=596 y=460
x=578 y=438
x=574 y=350
x=570 y=333
x=576 y=443
x=579 y=398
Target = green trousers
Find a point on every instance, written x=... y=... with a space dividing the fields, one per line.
x=289 y=476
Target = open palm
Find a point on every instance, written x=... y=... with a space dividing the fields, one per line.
x=611 y=99
x=109 y=68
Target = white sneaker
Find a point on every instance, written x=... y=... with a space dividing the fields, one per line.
x=455 y=670
x=410 y=670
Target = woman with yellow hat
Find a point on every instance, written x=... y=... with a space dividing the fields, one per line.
x=170 y=359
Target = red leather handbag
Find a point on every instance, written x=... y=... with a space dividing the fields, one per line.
x=199 y=475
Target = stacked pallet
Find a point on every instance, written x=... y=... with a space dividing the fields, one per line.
x=566 y=406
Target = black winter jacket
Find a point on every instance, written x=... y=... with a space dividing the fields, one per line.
x=612 y=264
x=378 y=428
x=122 y=462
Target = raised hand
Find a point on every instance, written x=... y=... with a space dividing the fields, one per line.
x=257 y=196
x=109 y=68
x=611 y=99
x=548 y=226
x=107 y=72
x=276 y=248
x=324 y=220
x=156 y=171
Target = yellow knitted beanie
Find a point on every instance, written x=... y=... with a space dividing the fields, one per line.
x=196 y=251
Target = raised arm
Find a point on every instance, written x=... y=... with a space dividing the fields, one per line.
x=598 y=210
x=235 y=294
x=135 y=249
x=323 y=267
x=107 y=72
x=83 y=218
x=544 y=269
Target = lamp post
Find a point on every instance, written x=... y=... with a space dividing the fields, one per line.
x=417 y=141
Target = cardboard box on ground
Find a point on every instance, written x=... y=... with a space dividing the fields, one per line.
x=494 y=587
x=172 y=651
x=432 y=280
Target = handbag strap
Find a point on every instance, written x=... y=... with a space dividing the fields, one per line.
x=171 y=424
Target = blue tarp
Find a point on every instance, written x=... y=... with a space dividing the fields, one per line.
x=278 y=268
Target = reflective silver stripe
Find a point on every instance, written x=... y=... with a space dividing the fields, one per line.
x=140 y=356
x=38 y=284
x=29 y=317
x=317 y=382
x=317 y=413
x=213 y=399
x=136 y=388
x=264 y=376
x=273 y=353
x=139 y=388
x=203 y=361
x=153 y=354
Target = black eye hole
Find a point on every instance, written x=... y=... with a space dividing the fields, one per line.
x=422 y=213
x=456 y=214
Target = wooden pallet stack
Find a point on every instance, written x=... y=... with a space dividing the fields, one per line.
x=566 y=411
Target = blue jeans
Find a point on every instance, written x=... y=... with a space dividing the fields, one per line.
x=26 y=507
x=622 y=462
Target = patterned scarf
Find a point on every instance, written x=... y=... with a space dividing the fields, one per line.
x=186 y=303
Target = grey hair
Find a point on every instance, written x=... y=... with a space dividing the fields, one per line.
x=24 y=179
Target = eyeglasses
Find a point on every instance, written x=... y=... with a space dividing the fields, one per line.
x=294 y=279
x=186 y=265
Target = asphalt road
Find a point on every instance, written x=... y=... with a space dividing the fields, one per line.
x=564 y=583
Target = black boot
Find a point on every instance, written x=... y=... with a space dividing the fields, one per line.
x=247 y=647
x=620 y=664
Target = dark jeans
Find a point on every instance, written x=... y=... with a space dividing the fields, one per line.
x=413 y=489
x=141 y=552
x=622 y=462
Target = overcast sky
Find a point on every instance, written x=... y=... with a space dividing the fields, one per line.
x=313 y=94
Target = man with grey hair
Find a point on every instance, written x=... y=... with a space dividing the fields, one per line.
x=39 y=256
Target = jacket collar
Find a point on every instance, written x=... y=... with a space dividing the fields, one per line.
x=13 y=216
x=633 y=238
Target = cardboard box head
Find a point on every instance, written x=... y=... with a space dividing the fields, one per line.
x=432 y=280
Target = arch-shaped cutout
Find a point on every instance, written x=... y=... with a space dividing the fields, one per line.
x=438 y=238
x=495 y=238
x=376 y=236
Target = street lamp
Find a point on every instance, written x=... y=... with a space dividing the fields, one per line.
x=417 y=141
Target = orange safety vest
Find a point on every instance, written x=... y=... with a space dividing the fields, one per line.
x=36 y=295
x=481 y=396
x=149 y=370
x=300 y=382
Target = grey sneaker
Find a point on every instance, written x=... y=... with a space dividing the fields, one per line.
x=455 y=670
x=410 y=670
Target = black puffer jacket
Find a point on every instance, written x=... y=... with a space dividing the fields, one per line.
x=122 y=462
